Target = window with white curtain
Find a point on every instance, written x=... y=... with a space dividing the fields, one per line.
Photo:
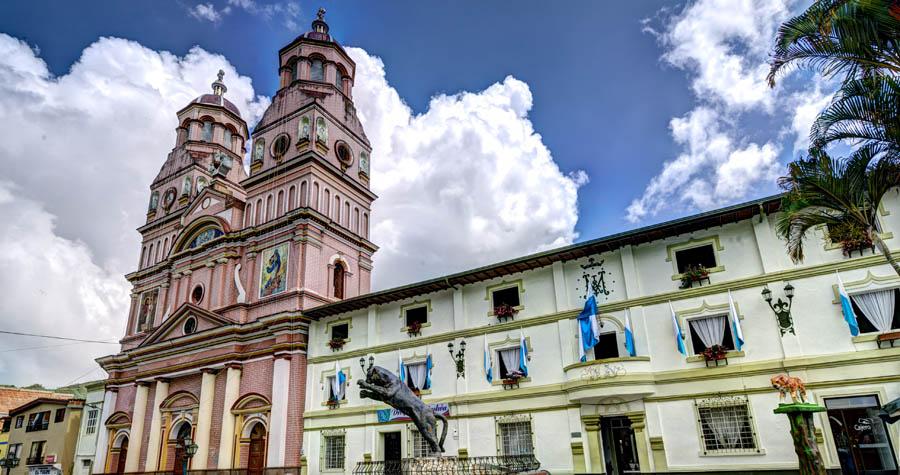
x=509 y=362
x=876 y=311
x=334 y=389
x=726 y=425
x=515 y=438
x=417 y=376
x=333 y=455
x=709 y=331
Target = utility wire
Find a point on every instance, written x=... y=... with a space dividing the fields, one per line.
x=108 y=342
x=24 y=348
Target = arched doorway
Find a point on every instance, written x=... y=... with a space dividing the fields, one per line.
x=184 y=431
x=122 y=446
x=256 y=459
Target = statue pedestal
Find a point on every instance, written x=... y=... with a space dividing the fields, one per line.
x=803 y=431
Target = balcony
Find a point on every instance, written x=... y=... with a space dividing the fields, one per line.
x=596 y=380
x=37 y=427
x=35 y=460
x=501 y=464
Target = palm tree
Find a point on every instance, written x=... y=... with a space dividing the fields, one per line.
x=859 y=38
x=839 y=193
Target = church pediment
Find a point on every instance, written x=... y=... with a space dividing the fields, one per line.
x=187 y=320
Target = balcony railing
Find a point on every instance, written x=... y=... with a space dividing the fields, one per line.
x=493 y=465
x=35 y=427
x=225 y=471
x=36 y=460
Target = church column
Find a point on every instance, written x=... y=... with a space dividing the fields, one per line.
x=136 y=435
x=153 y=440
x=204 y=419
x=281 y=377
x=227 y=435
x=109 y=405
x=595 y=456
x=224 y=275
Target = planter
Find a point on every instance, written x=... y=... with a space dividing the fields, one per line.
x=336 y=344
x=694 y=274
x=333 y=404
x=505 y=312
x=511 y=383
x=716 y=355
x=414 y=329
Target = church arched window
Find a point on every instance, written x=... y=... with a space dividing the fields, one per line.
x=207 y=131
x=203 y=236
x=321 y=131
x=338 y=281
x=317 y=70
x=227 y=138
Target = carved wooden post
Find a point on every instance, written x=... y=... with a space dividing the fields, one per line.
x=800 y=415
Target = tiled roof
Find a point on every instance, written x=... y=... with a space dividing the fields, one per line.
x=11 y=398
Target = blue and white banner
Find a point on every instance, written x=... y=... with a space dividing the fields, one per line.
x=401 y=368
x=847 y=307
x=523 y=354
x=428 y=365
x=488 y=363
x=629 y=334
x=339 y=383
x=679 y=335
x=588 y=330
x=391 y=415
x=736 y=324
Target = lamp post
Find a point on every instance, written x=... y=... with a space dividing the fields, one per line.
x=781 y=308
x=190 y=448
x=459 y=358
x=362 y=363
x=10 y=462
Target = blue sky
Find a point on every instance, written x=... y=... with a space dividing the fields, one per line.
x=602 y=97
x=498 y=129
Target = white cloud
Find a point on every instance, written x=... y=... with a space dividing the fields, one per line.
x=208 y=12
x=806 y=105
x=81 y=155
x=288 y=12
x=53 y=287
x=723 y=45
x=465 y=183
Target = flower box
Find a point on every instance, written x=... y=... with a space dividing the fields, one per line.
x=414 y=328
x=333 y=404
x=505 y=312
x=512 y=379
x=336 y=344
x=694 y=274
x=715 y=354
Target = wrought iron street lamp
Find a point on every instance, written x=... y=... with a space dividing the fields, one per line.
x=781 y=308
x=190 y=448
x=10 y=462
x=459 y=358
x=362 y=363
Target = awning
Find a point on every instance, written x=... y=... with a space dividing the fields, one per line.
x=890 y=412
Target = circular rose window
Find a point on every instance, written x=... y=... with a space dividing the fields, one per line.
x=190 y=326
x=197 y=294
x=344 y=154
x=280 y=145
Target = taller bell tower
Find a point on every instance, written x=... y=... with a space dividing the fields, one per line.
x=311 y=136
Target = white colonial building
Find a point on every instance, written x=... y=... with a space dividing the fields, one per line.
x=656 y=411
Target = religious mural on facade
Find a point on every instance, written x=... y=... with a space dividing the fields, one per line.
x=273 y=272
x=147 y=309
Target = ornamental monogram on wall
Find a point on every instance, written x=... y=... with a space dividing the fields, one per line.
x=594 y=277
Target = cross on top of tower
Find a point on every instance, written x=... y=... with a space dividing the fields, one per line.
x=218 y=86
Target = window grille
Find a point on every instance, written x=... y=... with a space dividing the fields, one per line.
x=419 y=445
x=515 y=438
x=334 y=452
x=726 y=425
x=91 y=422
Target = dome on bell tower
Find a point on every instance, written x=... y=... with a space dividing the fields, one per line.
x=319 y=28
x=217 y=98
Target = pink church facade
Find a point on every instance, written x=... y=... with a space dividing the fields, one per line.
x=215 y=345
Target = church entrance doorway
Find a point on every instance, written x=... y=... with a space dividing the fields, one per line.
x=256 y=460
x=123 y=454
x=183 y=432
x=619 y=448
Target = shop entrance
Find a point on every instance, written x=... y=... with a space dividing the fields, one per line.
x=619 y=448
x=861 y=438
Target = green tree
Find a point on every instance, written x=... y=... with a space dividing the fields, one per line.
x=842 y=194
